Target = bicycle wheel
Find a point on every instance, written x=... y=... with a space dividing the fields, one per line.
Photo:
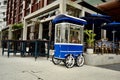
x=69 y=61
x=80 y=61
x=55 y=61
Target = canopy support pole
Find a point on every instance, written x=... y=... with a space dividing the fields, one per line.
x=93 y=27
x=113 y=41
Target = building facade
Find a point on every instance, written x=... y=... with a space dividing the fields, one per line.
x=3 y=7
x=36 y=16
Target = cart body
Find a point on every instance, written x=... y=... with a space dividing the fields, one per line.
x=62 y=50
x=68 y=37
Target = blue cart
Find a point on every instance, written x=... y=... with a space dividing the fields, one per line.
x=68 y=44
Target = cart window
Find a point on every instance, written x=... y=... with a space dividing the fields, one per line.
x=61 y=33
x=76 y=34
x=64 y=34
x=57 y=34
x=68 y=33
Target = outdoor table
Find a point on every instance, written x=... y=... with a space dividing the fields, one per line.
x=12 y=46
x=19 y=46
x=36 y=47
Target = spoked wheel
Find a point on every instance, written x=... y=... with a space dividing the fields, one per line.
x=80 y=61
x=69 y=61
x=55 y=61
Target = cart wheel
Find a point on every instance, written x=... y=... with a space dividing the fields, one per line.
x=55 y=61
x=69 y=61
x=80 y=60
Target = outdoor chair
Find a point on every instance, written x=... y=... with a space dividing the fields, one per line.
x=104 y=49
x=109 y=49
x=118 y=49
x=97 y=48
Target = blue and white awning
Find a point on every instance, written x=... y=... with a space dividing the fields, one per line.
x=70 y=19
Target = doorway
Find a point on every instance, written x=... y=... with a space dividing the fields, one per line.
x=45 y=34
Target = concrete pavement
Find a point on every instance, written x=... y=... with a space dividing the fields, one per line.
x=26 y=68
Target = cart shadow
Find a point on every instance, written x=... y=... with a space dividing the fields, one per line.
x=115 y=67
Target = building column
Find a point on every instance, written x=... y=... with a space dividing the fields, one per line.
x=82 y=12
x=32 y=29
x=103 y=34
x=10 y=32
x=30 y=6
x=24 y=30
x=45 y=2
x=62 y=6
x=23 y=10
x=40 y=31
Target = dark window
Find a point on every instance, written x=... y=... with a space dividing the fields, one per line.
x=3 y=13
x=50 y=1
x=4 y=19
x=5 y=2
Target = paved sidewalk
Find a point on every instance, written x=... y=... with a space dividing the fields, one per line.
x=26 y=68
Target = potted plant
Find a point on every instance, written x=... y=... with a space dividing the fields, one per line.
x=17 y=26
x=90 y=40
x=17 y=29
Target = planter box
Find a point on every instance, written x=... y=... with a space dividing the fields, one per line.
x=90 y=51
x=95 y=59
